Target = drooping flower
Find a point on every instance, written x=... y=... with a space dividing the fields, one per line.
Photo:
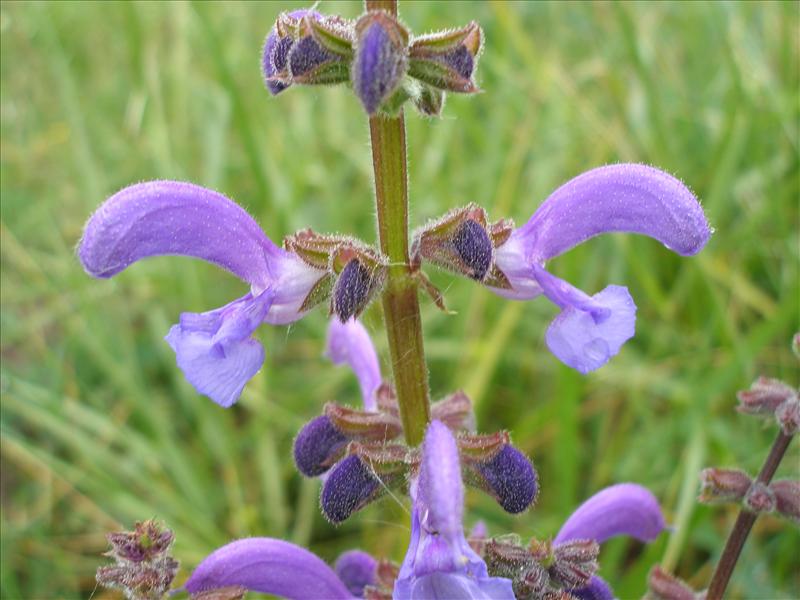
x=439 y=562
x=622 y=509
x=630 y=198
x=214 y=349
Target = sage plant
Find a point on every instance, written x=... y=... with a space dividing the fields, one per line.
x=398 y=440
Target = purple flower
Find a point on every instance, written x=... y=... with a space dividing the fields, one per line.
x=616 y=198
x=271 y=566
x=350 y=343
x=622 y=509
x=439 y=562
x=215 y=349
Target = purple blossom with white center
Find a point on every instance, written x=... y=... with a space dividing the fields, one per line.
x=630 y=198
x=215 y=349
x=622 y=509
x=439 y=562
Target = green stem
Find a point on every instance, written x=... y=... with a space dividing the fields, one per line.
x=400 y=301
x=744 y=522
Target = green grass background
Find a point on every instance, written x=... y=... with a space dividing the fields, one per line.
x=99 y=427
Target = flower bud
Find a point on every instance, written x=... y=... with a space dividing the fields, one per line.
x=278 y=45
x=463 y=242
x=507 y=475
x=759 y=498
x=311 y=63
x=787 y=499
x=350 y=486
x=723 y=485
x=506 y=557
x=148 y=540
x=318 y=445
x=351 y=293
x=381 y=58
x=663 y=586
x=446 y=60
x=764 y=396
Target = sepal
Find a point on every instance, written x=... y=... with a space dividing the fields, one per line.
x=570 y=564
x=447 y=60
x=333 y=33
x=723 y=485
x=455 y=411
x=663 y=586
x=363 y=425
x=787 y=499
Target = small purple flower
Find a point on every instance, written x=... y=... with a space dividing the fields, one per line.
x=616 y=198
x=381 y=58
x=214 y=349
x=439 y=562
x=622 y=509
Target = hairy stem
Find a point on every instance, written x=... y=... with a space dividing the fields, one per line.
x=744 y=522
x=400 y=301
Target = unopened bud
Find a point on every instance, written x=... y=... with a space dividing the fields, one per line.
x=509 y=477
x=148 y=540
x=352 y=290
x=723 y=485
x=574 y=563
x=759 y=498
x=506 y=557
x=663 y=586
x=310 y=63
x=446 y=60
x=381 y=58
x=318 y=445
x=278 y=45
x=474 y=248
x=764 y=396
x=350 y=486
x=534 y=582
x=787 y=498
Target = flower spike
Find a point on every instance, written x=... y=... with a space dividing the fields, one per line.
x=214 y=349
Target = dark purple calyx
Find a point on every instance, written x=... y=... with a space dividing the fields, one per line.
x=307 y=55
x=474 y=247
x=274 y=61
x=352 y=290
x=317 y=446
x=349 y=487
x=510 y=477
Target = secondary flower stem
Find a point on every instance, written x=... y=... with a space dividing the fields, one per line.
x=400 y=301
x=744 y=522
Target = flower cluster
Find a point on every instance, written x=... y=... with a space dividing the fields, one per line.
x=359 y=453
x=376 y=54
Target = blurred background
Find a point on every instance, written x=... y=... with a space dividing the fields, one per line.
x=100 y=429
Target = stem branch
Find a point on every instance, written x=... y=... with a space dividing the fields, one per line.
x=744 y=522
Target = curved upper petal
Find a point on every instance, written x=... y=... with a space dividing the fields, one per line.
x=622 y=509
x=631 y=198
x=173 y=217
x=214 y=349
x=356 y=569
x=268 y=566
x=440 y=489
x=350 y=343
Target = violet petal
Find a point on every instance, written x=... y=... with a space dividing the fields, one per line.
x=377 y=68
x=350 y=485
x=589 y=330
x=631 y=198
x=171 y=217
x=214 y=349
x=357 y=570
x=440 y=486
x=622 y=509
x=268 y=566
x=512 y=479
x=350 y=343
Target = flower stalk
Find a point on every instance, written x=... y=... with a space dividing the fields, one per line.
x=744 y=522
x=400 y=301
